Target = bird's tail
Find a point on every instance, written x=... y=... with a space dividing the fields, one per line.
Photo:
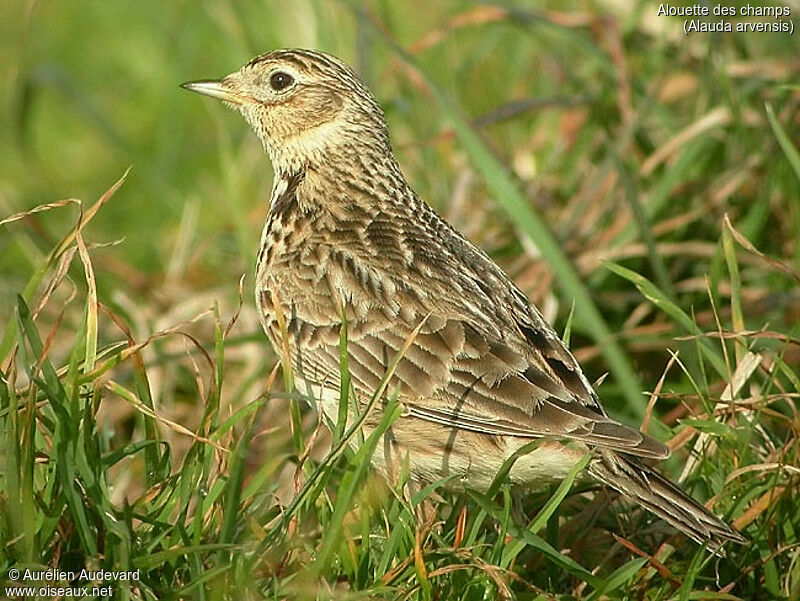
x=663 y=498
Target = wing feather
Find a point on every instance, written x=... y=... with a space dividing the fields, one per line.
x=485 y=359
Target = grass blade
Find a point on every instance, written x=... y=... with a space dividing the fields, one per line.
x=540 y=521
x=660 y=300
x=350 y=484
x=792 y=154
x=529 y=538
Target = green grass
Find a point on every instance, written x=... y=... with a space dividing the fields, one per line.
x=632 y=181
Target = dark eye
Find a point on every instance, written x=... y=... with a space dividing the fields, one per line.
x=280 y=81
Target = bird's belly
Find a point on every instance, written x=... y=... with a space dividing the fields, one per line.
x=549 y=461
x=463 y=458
x=470 y=459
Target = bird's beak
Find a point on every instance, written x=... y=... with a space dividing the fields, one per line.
x=215 y=89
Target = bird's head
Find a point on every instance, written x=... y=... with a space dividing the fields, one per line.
x=305 y=106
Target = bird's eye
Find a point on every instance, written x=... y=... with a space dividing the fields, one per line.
x=280 y=80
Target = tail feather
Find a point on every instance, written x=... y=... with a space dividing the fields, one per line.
x=663 y=498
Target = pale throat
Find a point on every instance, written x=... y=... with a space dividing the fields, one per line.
x=302 y=150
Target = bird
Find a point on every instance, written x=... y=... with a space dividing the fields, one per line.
x=479 y=372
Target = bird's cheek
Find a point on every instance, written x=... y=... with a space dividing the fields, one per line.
x=317 y=107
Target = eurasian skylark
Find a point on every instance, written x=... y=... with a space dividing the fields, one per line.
x=487 y=374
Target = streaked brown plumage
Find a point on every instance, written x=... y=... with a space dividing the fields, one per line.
x=487 y=374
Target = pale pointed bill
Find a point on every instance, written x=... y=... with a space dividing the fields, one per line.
x=213 y=88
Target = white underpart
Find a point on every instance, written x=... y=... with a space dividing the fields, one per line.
x=309 y=145
x=549 y=462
